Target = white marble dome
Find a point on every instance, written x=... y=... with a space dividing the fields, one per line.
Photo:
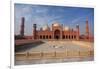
x=45 y=28
x=66 y=28
x=56 y=24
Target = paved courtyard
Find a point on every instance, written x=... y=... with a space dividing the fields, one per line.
x=51 y=46
x=58 y=46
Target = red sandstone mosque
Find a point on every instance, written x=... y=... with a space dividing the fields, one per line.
x=56 y=31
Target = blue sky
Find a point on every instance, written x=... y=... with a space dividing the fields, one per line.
x=46 y=14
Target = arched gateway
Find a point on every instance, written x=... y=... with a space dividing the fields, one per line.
x=57 y=34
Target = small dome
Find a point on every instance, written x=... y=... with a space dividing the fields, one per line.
x=45 y=28
x=66 y=28
x=56 y=24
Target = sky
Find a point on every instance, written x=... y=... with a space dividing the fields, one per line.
x=48 y=14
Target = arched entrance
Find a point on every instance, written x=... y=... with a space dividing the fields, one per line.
x=57 y=34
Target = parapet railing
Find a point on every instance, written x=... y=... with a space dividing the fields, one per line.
x=49 y=55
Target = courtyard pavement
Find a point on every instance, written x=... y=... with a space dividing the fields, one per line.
x=51 y=46
x=58 y=46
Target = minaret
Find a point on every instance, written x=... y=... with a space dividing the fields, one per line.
x=34 y=31
x=78 y=32
x=22 y=26
x=87 y=28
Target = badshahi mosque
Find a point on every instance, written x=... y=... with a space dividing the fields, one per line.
x=56 y=31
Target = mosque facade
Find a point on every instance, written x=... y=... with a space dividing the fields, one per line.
x=56 y=31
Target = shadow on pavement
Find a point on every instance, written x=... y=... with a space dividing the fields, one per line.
x=24 y=47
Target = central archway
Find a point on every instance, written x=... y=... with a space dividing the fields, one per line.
x=57 y=34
